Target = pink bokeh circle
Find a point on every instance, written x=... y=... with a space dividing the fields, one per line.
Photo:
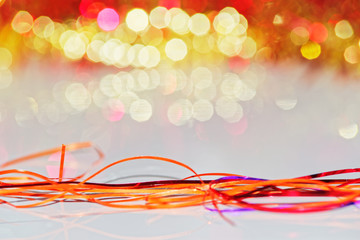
x=108 y=19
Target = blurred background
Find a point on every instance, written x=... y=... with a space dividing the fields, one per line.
x=263 y=88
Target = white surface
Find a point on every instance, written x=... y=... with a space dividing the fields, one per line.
x=276 y=144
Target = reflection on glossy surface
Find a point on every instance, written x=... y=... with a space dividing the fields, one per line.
x=72 y=222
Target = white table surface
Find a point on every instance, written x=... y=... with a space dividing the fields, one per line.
x=276 y=144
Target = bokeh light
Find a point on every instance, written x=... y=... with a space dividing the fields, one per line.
x=122 y=82
x=286 y=103
x=230 y=45
x=74 y=45
x=349 y=131
x=278 y=20
x=158 y=17
x=224 y=23
x=218 y=32
x=137 y=20
x=43 y=27
x=343 y=29
x=228 y=108
x=176 y=49
x=140 y=110
x=78 y=96
x=299 y=35
x=180 y=112
x=352 y=54
x=203 y=110
x=149 y=56
x=93 y=50
x=318 y=32
x=233 y=87
x=114 y=110
x=108 y=19
x=179 y=21
x=311 y=50
x=199 y=24
x=22 y=22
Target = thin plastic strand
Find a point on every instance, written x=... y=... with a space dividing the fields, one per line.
x=230 y=192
